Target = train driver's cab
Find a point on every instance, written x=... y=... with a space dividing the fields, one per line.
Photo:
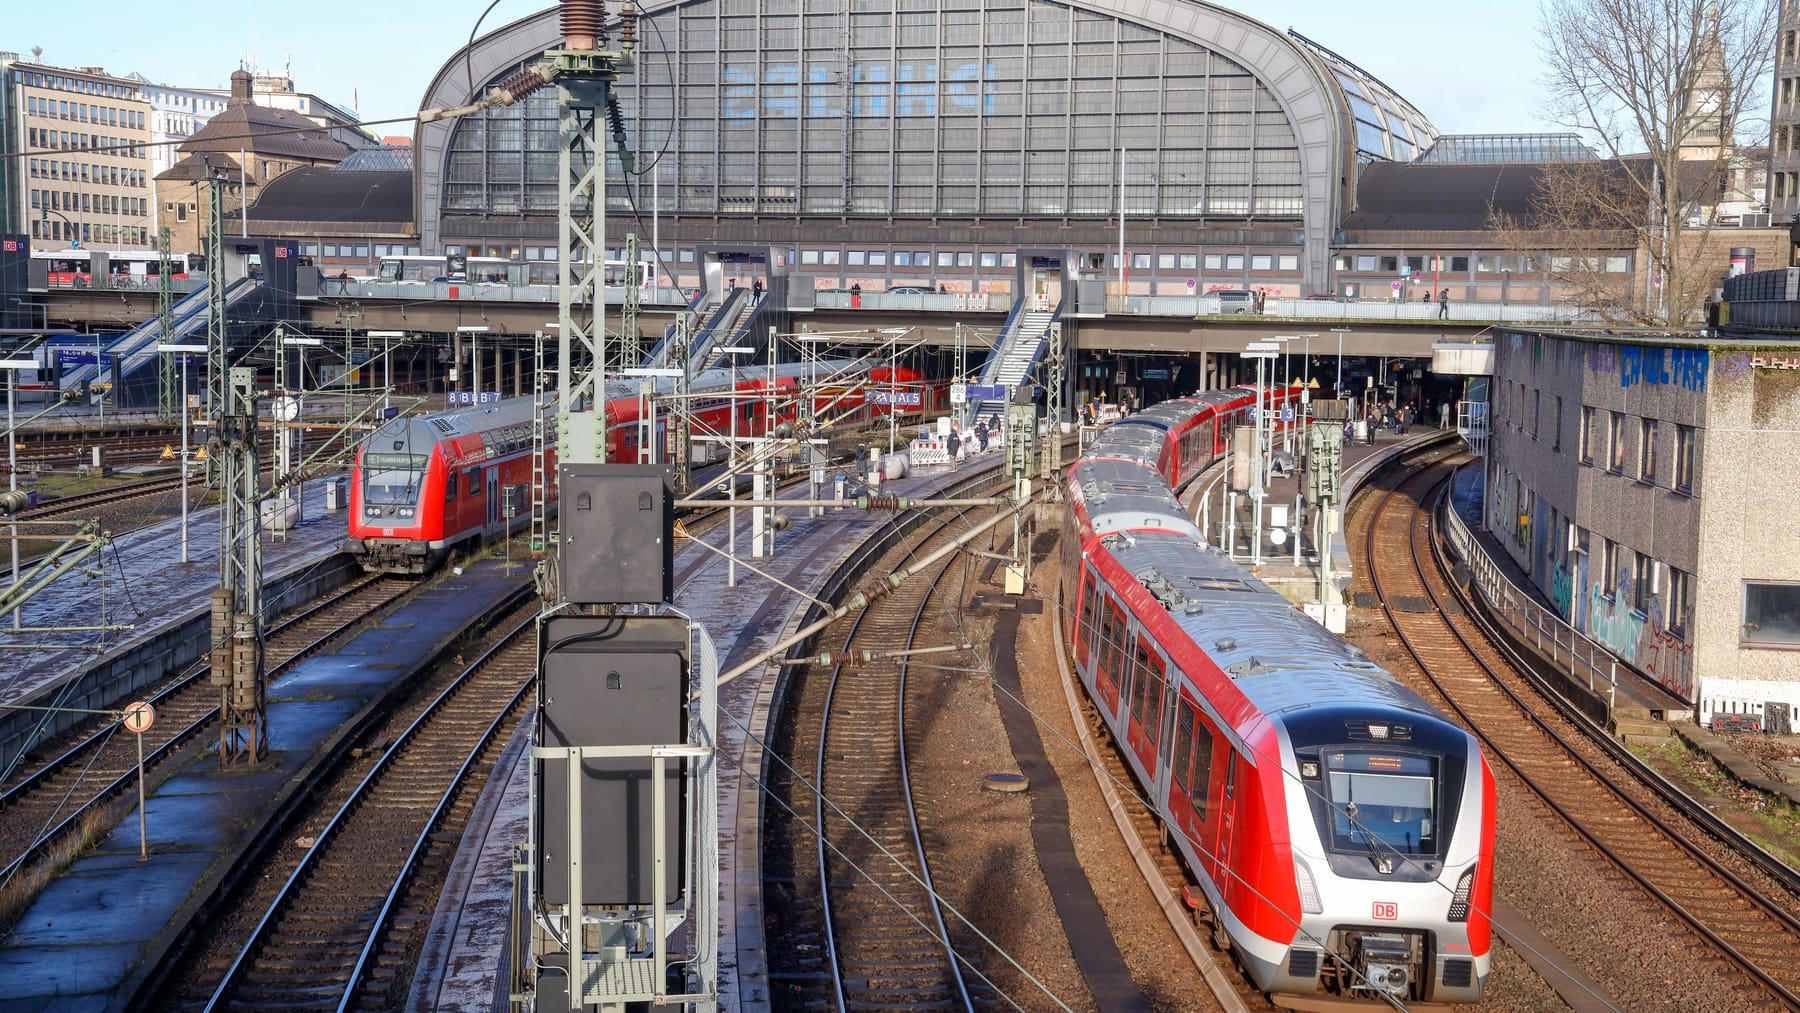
x=391 y=484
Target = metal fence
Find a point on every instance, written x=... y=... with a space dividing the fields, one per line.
x=1566 y=647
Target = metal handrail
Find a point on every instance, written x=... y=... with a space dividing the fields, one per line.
x=1567 y=647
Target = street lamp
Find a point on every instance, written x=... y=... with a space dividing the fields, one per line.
x=1340 y=332
x=387 y=364
x=1260 y=351
x=12 y=367
x=184 y=351
x=731 y=467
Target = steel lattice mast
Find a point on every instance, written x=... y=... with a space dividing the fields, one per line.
x=165 y=322
x=237 y=621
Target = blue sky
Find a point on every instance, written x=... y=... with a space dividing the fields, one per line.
x=1472 y=68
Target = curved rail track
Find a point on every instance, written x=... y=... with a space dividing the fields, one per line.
x=858 y=924
x=53 y=801
x=330 y=938
x=1741 y=922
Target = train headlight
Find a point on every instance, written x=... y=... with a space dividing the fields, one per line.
x=1309 y=893
x=1459 y=901
x=407 y=511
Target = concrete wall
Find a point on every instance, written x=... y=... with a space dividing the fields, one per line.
x=1749 y=488
x=1736 y=523
x=1539 y=482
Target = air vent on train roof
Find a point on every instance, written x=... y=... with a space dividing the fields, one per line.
x=444 y=426
x=1167 y=593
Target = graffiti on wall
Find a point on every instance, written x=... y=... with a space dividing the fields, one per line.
x=1641 y=638
x=1562 y=592
x=1684 y=367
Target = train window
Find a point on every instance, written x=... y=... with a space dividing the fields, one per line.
x=1140 y=686
x=1200 y=790
x=1382 y=801
x=474 y=482
x=392 y=478
x=450 y=487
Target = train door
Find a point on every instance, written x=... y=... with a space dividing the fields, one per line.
x=1190 y=787
x=493 y=498
x=1146 y=704
x=1083 y=634
x=1224 y=786
x=1106 y=670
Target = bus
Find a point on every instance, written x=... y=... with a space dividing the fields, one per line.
x=75 y=268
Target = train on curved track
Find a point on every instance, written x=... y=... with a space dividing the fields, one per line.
x=426 y=486
x=1340 y=827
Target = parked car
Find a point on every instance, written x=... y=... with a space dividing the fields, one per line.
x=1236 y=300
x=906 y=290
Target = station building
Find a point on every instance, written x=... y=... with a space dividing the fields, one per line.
x=1646 y=485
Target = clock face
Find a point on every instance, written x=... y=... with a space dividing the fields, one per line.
x=285 y=408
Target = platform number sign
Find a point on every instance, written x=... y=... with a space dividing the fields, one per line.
x=1385 y=911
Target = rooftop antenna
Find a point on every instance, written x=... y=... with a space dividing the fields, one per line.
x=37 y=54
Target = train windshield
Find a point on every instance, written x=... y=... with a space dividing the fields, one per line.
x=1382 y=802
x=392 y=478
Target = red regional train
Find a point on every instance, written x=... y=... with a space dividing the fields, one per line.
x=1341 y=828
x=429 y=485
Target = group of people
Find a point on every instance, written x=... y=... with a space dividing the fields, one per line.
x=954 y=442
x=1378 y=417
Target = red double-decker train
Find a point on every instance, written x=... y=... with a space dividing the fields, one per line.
x=426 y=486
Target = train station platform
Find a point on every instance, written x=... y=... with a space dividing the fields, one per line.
x=89 y=942
x=151 y=610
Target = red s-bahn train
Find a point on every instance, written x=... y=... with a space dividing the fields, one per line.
x=427 y=486
x=1341 y=828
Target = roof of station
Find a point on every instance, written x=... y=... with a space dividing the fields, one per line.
x=1516 y=149
x=386 y=158
x=1387 y=126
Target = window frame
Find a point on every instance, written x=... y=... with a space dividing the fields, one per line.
x=1615 y=443
x=1746 y=628
x=1647 y=438
x=1686 y=440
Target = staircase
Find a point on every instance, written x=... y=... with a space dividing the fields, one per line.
x=1020 y=348
x=135 y=348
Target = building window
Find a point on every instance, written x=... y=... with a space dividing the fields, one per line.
x=1647 y=452
x=1609 y=568
x=1589 y=433
x=1771 y=614
x=1643 y=583
x=1615 y=445
x=1260 y=262
x=1684 y=459
x=1681 y=591
x=1537 y=407
x=1556 y=429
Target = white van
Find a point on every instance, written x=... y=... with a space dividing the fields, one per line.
x=1236 y=300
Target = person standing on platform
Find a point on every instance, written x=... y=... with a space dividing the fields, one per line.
x=756 y=290
x=856 y=295
x=1443 y=304
x=981 y=435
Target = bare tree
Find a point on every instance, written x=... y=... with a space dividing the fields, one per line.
x=1663 y=87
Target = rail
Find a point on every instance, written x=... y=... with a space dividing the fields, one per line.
x=1530 y=621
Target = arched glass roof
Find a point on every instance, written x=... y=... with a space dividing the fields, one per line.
x=1387 y=126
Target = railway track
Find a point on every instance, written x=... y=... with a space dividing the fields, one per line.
x=84 y=501
x=336 y=934
x=43 y=809
x=854 y=921
x=1665 y=854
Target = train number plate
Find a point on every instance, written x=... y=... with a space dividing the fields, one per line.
x=1385 y=911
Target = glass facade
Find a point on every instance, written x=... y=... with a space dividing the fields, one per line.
x=1470 y=149
x=1386 y=125
x=967 y=108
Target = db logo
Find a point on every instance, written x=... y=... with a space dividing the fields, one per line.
x=1385 y=911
